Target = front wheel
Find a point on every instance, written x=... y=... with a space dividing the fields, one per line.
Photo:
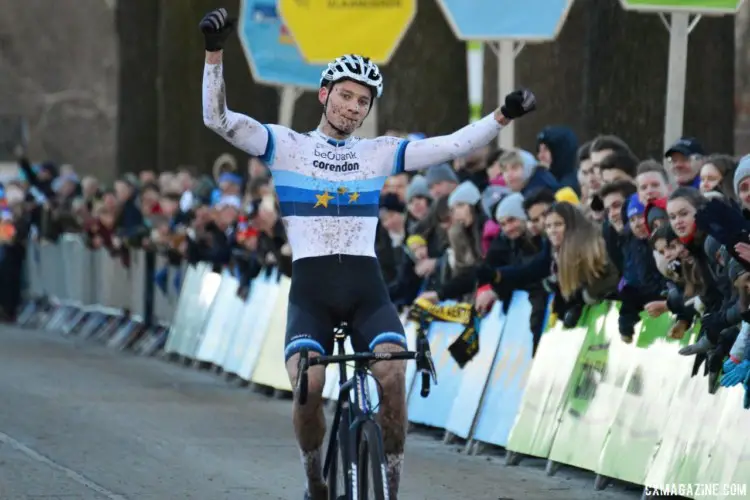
x=371 y=475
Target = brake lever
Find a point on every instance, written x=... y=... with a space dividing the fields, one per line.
x=425 y=363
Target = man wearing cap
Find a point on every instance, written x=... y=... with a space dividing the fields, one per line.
x=685 y=159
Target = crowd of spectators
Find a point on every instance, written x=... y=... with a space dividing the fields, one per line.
x=579 y=221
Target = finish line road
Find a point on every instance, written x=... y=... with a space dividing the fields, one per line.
x=79 y=421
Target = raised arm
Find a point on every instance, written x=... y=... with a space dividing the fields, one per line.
x=427 y=152
x=240 y=130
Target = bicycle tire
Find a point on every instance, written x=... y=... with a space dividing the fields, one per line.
x=370 y=463
x=336 y=474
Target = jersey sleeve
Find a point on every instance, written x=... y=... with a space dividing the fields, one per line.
x=427 y=152
x=239 y=130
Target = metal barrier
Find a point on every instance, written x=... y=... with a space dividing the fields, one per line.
x=79 y=290
x=625 y=412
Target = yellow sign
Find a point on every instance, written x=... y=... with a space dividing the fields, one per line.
x=327 y=29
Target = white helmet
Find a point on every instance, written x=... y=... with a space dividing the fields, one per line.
x=354 y=67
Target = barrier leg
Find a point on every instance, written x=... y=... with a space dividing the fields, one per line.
x=124 y=336
x=449 y=438
x=551 y=468
x=75 y=321
x=513 y=459
x=155 y=342
x=27 y=313
x=601 y=482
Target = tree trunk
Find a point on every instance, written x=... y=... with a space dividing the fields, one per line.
x=137 y=127
x=183 y=139
x=607 y=74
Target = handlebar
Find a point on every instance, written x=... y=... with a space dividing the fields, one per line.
x=422 y=356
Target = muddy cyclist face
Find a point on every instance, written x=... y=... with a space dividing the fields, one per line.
x=348 y=104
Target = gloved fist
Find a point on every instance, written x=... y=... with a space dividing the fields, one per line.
x=518 y=103
x=216 y=28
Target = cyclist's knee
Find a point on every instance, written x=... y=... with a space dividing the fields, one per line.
x=389 y=373
x=388 y=342
x=316 y=375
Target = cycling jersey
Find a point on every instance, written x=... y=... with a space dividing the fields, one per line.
x=329 y=189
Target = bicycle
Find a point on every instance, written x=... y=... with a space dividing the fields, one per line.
x=355 y=433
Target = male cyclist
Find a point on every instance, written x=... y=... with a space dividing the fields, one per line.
x=328 y=184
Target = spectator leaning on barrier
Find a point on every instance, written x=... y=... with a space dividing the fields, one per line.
x=465 y=244
x=641 y=282
x=615 y=198
x=518 y=244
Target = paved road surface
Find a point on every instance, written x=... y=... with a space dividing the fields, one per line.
x=78 y=421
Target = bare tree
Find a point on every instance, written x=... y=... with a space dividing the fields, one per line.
x=59 y=70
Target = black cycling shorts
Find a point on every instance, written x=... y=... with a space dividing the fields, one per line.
x=330 y=289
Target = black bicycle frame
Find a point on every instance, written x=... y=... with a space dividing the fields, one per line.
x=353 y=416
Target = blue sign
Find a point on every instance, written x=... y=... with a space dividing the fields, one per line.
x=521 y=20
x=270 y=50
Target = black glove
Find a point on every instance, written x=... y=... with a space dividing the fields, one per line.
x=216 y=28
x=518 y=103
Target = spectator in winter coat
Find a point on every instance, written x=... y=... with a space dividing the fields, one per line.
x=516 y=244
x=615 y=198
x=641 y=282
x=557 y=148
x=522 y=174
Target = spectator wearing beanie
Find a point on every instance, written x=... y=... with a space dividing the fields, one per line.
x=418 y=201
x=490 y=198
x=467 y=223
x=742 y=182
x=441 y=180
x=522 y=173
x=515 y=245
x=465 y=237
